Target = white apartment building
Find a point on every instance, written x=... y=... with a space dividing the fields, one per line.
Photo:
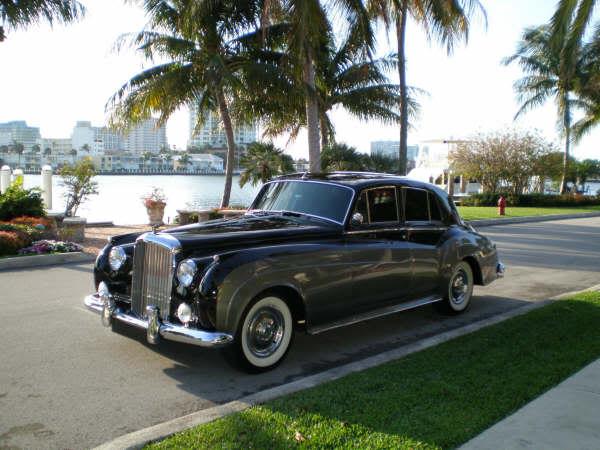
x=18 y=131
x=97 y=139
x=212 y=133
x=146 y=137
x=199 y=162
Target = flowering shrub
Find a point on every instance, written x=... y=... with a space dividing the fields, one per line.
x=10 y=243
x=34 y=222
x=44 y=247
x=154 y=198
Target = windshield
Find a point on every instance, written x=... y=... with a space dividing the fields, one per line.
x=324 y=200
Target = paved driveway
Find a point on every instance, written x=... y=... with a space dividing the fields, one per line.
x=66 y=382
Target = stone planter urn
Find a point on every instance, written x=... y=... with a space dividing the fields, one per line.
x=155 y=203
x=156 y=212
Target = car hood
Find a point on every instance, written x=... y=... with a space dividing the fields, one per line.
x=249 y=230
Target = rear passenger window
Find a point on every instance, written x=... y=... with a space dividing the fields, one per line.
x=382 y=205
x=416 y=209
x=434 y=208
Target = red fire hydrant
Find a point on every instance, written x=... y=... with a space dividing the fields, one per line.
x=501 y=206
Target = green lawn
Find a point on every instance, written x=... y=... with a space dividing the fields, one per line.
x=491 y=212
x=437 y=398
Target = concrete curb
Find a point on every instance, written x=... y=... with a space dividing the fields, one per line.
x=138 y=439
x=27 y=262
x=530 y=219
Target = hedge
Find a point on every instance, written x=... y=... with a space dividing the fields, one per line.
x=489 y=199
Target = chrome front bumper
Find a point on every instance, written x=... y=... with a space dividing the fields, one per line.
x=155 y=328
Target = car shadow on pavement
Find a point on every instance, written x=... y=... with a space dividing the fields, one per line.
x=205 y=373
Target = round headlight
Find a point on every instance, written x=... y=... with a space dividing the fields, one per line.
x=184 y=313
x=116 y=258
x=186 y=272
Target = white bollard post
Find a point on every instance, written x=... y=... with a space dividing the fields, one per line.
x=4 y=179
x=47 y=186
x=18 y=175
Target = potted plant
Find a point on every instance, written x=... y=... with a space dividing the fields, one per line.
x=155 y=203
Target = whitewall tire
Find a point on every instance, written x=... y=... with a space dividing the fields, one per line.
x=460 y=289
x=265 y=334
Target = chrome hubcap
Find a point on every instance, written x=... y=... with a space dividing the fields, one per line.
x=265 y=332
x=459 y=287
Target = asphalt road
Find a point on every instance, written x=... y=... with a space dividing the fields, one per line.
x=66 y=382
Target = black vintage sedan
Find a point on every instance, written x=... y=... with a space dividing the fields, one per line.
x=312 y=253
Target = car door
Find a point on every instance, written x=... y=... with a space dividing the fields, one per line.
x=378 y=249
x=424 y=228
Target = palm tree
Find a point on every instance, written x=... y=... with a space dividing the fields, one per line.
x=166 y=157
x=539 y=56
x=345 y=77
x=342 y=157
x=35 y=148
x=307 y=27
x=146 y=156
x=85 y=148
x=73 y=153
x=20 y=14
x=445 y=21
x=47 y=151
x=186 y=160
x=18 y=148
x=378 y=162
x=198 y=42
x=262 y=162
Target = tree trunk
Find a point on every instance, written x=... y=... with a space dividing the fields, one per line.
x=401 y=35
x=224 y=110
x=324 y=135
x=567 y=125
x=312 y=115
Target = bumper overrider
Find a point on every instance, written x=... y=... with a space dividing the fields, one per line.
x=102 y=302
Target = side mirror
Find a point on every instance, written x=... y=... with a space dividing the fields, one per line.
x=357 y=219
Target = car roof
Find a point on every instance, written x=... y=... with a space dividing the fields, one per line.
x=360 y=180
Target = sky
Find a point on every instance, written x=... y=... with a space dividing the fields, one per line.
x=53 y=77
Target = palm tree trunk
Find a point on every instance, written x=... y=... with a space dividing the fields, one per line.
x=312 y=115
x=224 y=110
x=401 y=36
x=324 y=135
x=567 y=125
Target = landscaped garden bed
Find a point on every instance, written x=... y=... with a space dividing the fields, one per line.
x=437 y=398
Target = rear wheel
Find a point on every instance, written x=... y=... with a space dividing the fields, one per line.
x=264 y=335
x=459 y=291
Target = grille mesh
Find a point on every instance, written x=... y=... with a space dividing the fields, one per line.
x=152 y=278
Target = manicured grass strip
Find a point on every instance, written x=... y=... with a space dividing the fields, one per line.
x=437 y=398
x=491 y=212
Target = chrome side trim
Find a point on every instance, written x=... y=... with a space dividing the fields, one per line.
x=374 y=314
x=166 y=330
x=389 y=229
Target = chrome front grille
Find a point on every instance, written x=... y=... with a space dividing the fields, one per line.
x=153 y=271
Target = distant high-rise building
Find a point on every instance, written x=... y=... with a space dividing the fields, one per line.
x=391 y=149
x=97 y=139
x=18 y=131
x=212 y=133
x=146 y=137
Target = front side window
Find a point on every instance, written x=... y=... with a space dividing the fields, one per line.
x=416 y=205
x=325 y=200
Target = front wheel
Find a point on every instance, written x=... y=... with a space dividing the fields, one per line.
x=459 y=291
x=264 y=335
